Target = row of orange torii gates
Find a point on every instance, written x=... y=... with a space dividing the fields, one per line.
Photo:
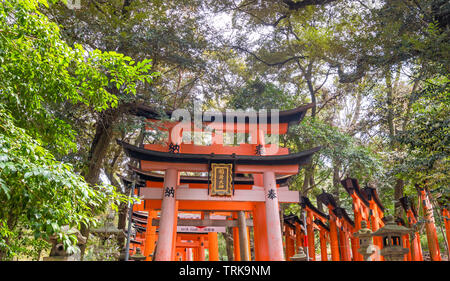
x=180 y=215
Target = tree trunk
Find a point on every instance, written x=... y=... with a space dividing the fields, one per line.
x=228 y=236
x=336 y=181
x=99 y=147
x=398 y=193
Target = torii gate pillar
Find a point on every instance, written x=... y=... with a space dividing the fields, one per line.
x=168 y=220
x=274 y=238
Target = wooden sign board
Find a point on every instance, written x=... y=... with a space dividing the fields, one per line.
x=221 y=179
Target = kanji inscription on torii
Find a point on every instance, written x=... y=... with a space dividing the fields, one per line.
x=221 y=179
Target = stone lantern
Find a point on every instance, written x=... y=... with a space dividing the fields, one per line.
x=391 y=234
x=108 y=229
x=58 y=253
x=365 y=241
x=138 y=256
x=300 y=256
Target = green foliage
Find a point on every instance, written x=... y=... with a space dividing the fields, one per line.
x=257 y=94
x=40 y=72
x=39 y=193
x=427 y=137
x=356 y=160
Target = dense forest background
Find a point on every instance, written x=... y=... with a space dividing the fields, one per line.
x=70 y=76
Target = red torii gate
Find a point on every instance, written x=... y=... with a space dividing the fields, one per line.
x=408 y=207
x=328 y=200
x=361 y=208
x=261 y=199
x=430 y=227
x=376 y=215
x=315 y=217
x=293 y=235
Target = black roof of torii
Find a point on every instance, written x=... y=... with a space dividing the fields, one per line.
x=300 y=158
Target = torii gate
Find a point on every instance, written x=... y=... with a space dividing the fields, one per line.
x=293 y=235
x=361 y=208
x=416 y=249
x=430 y=227
x=315 y=217
x=376 y=215
x=221 y=192
x=328 y=200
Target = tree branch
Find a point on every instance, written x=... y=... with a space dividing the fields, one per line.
x=280 y=63
x=295 y=6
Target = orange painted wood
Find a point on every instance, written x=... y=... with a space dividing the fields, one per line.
x=260 y=232
x=236 y=245
x=167 y=226
x=310 y=234
x=200 y=194
x=242 y=149
x=430 y=226
x=191 y=167
x=150 y=236
x=446 y=216
x=323 y=244
x=334 y=239
x=274 y=236
x=213 y=246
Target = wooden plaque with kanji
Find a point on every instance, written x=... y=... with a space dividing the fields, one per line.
x=221 y=179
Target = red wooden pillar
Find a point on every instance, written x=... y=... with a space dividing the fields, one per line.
x=343 y=246
x=273 y=224
x=259 y=225
x=213 y=246
x=430 y=227
x=347 y=245
x=446 y=216
x=358 y=218
x=354 y=242
x=196 y=253
x=168 y=217
x=189 y=254
x=201 y=249
x=407 y=245
x=323 y=244
x=310 y=233
x=376 y=215
x=290 y=247
x=236 y=245
x=334 y=240
x=298 y=237
x=260 y=232
x=150 y=236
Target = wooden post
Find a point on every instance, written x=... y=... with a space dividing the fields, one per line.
x=407 y=245
x=168 y=220
x=189 y=254
x=290 y=242
x=174 y=235
x=446 y=216
x=310 y=233
x=275 y=240
x=354 y=245
x=243 y=238
x=334 y=240
x=236 y=248
x=201 y=249
x=430 y=227
x=323 y=244
x=342 y=245
x=259 y=225
x=260 y=232
x=213 y=246
x=150 y=236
